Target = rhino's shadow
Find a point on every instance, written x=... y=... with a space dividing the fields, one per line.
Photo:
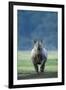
x=37 y=76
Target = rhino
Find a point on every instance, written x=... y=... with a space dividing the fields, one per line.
x=39 y=56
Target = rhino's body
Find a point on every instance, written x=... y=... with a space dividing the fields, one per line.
x=39 y=56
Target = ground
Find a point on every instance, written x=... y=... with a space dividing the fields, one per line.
x=25 y=68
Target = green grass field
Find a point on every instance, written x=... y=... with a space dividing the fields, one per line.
x=25 y=68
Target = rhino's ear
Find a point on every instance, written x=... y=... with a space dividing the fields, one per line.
x=34 y=41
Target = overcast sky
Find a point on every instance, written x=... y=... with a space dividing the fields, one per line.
x=37 y=25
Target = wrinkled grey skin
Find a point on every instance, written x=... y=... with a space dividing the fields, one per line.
x=39 y=56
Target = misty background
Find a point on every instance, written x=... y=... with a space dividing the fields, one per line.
x=41 y=25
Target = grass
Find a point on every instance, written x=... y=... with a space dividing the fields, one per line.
x=25 y=68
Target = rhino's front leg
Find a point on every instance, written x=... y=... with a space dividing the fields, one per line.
x=42 y=67
x=35 y=66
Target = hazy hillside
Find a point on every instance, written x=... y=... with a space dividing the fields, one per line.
x=37 y=25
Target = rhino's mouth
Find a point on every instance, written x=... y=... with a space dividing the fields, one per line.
x=39 y=48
